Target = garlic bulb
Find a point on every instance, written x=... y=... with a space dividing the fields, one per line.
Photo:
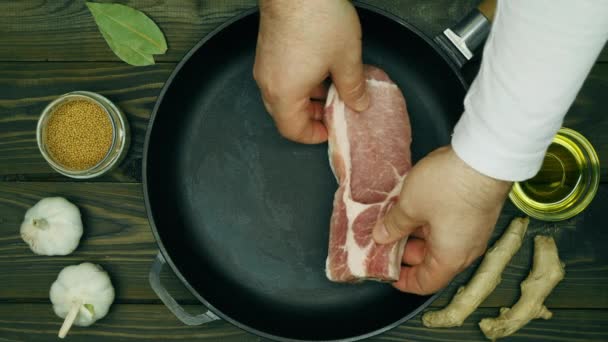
x=82 y=294
x=52 y=227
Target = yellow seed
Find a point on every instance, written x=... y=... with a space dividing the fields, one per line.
x=79 y=134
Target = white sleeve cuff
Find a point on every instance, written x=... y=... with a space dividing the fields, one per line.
x=480 y=148
x=534 y=63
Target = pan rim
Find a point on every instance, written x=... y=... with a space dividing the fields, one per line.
x=145 y=184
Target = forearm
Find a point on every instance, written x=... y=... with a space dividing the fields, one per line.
x=535 y=61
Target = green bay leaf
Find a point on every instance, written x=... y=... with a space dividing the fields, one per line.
x=129 y=53
x=131 y=35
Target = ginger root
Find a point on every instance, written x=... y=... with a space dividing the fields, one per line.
x=547 y=272
x=485 y=280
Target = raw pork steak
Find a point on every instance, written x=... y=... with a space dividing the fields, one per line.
x=369 y=154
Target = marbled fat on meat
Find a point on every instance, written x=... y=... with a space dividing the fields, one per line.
x=369 y=153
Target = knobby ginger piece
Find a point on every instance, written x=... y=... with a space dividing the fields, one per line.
x=547 y=272
x=485 y=280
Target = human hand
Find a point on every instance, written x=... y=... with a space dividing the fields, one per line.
x=449 y=211
x=301 y=43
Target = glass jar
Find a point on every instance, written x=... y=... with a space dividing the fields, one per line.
x=120 y=135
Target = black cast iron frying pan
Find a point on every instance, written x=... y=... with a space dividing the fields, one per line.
x=241 y=215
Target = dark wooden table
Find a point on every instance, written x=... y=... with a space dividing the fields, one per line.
x=48 y=48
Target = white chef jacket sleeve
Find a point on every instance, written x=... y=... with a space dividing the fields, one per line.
x=534 y=62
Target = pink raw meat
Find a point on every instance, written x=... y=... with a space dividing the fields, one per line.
x=369 y=153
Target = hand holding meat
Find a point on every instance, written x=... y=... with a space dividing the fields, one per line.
x=449 y=210
x=300 y=44
x=451 y=199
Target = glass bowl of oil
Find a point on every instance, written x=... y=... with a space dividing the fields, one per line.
x=566 y=183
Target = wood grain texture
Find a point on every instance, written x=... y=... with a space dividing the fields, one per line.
x=117 y=232
x=116 y=236
x=119 y=238
x=131 y=322
x=566 y=325
x=36 y=30
x=26 y=88
x=124 y=322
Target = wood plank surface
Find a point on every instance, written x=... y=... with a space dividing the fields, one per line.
x=26 y=88
x=118 y=237
x=48 y=48
x=65 y=30
x=132 y=322
x=566 y=325
x=124 y=322
x=35 y=30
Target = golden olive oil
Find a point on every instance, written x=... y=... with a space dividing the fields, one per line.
x=566 y=183
x=558 y=177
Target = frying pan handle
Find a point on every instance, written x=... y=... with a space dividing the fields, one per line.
x=462 y=41
x=169 y=301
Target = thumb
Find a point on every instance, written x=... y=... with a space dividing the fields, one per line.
x=349 y=78
x=395 y=225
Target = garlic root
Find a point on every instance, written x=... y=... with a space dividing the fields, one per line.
x=547 y=272
x=484 y=281
x=40 y=223
x=69 y=319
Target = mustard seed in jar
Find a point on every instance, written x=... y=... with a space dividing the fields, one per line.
x=79 y=134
